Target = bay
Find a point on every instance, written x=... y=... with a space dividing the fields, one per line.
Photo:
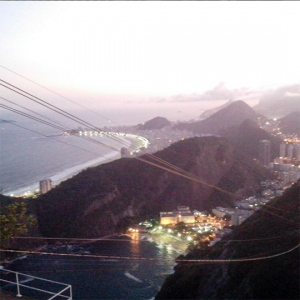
x=102 y=278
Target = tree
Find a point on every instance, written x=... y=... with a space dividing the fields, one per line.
x=181 y=226
x=14 y=221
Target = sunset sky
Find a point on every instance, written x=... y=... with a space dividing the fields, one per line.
x=108 y=52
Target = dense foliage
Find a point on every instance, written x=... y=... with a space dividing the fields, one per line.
x=99 y=200
x=14 y=220
x=272 y=230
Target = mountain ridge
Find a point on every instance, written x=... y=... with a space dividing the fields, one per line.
x=96 y=200
x=231 y=115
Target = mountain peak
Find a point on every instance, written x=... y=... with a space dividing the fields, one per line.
x=155 y=123
x=232 y=115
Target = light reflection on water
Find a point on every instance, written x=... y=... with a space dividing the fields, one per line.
x=106 y=278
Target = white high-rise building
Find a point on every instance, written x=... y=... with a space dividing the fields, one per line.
x=45 y=186
x=265 y=153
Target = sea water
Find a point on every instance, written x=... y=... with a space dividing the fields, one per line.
x=27 y=157
x=101 y=278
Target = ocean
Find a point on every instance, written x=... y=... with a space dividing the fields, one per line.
x=99 y=279
x=27 y=157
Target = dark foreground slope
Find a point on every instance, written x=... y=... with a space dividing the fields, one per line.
x=272 y=231
x=95 y=201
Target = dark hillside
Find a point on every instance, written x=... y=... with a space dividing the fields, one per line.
x=95 y=201
x=291 y=123
x=270 y=237
x=246 y=136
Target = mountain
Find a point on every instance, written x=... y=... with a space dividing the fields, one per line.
x=269 y=238
x=97 y=200
x=290 y=124
x=277 y=107
x=246 y=136
x=233 y=114
x=156 y=123
x=212 y=111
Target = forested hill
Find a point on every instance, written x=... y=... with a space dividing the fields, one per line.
x=96 y=200
x=246 y=137
x=271 y=231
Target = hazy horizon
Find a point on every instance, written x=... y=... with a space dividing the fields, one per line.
x=112 y=56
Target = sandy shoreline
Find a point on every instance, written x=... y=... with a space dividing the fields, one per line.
x=72 y=171
x=66 y=174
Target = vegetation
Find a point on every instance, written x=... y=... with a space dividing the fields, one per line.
x=272 y=230
x=95 y=202
x=14 y=221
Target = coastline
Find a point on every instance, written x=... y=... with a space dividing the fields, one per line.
x=66 y=174
x=63 y=175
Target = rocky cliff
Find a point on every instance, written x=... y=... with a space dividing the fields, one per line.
x=95 y=201
x=270 y=238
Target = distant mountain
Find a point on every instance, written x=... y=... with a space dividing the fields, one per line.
x=269 y=238
x=212 y=111
x=246 y=137
x=290 y=124
x=99 y=199
x=156 y=123
x=278 y=107
x=233 y=114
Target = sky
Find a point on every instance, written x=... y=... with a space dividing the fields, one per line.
x=105 y=54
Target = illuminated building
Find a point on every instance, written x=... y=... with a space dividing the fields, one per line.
x=183 y=214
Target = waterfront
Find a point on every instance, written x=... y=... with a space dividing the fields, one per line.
x=153 y=259
x=26 y=158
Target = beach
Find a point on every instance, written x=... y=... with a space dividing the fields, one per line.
x=67 y=173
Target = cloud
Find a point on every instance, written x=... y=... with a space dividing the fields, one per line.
x=219 y=92
x=284 y=92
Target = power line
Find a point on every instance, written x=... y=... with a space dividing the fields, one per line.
x=142 y=240
x=136 y=258
x=50 y=137
x=180 y=172
x=53 y=92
